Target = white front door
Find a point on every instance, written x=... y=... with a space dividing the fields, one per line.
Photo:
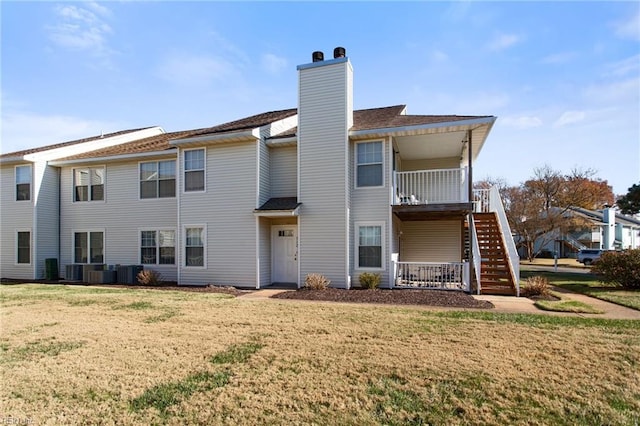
x=284 y=254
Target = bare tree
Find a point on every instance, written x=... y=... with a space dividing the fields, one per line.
x=538 y=210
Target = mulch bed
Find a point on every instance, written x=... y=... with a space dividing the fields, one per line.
x=455 y=299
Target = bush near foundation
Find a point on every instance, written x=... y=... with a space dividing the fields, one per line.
x=369 y=280
x=316 y=282
x=535 y=286
x=149 y=277
x=619 y=268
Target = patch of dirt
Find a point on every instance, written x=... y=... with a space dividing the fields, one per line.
x=455 y=299
x=550 y=297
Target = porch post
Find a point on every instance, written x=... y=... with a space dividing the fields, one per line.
x=470 y=192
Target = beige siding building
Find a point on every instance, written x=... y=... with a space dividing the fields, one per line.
x=267 y=199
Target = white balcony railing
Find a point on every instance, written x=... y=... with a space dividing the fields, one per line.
x=430 y=275
x=431 y=186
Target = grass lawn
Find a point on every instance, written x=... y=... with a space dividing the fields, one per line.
x=564 y=305
x=86 y=355
x=589 y=285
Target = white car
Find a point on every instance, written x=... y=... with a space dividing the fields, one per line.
x=588 y=256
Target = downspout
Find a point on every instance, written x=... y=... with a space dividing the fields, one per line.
x=469 y=218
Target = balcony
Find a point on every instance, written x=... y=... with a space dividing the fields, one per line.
x=423 y=194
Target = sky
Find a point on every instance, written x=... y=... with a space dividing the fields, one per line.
x=563 y=78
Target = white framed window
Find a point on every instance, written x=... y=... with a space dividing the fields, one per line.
x=194 y=246
x=88 y=247
x=23 y=247
x=369 y=164
x=88 y=184
x=194 y=168
x=23 y=183
x=158 y=179
x=370 y=245
x=158 y=247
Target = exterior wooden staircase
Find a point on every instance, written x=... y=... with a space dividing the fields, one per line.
x=495 y=273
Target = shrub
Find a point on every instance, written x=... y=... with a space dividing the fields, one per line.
x=369 y=280
x=619 y=268
x=316 y=282
x=535 y=286
x=149 y=277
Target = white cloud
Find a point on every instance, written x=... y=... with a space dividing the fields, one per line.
x=194 y=70
x=559 y=58
x=522 y=122
x=438 y=56
x=628 y=28
x=627 y=90
x=22 y=130
x=98 y=8
x=78 y=28
x=626 y=66
x=503 y=41
x=272 y=63
x=569 y=117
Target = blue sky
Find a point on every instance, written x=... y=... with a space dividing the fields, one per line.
x=563 y=78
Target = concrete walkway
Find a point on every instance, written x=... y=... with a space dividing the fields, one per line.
x=503 y=304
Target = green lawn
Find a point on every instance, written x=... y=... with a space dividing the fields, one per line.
x=86 y=355
x=589 y=285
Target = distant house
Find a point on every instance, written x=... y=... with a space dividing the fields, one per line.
x=267 y=199
x=604 y=229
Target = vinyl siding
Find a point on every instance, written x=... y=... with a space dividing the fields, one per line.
x=15 y=215
x=264 y=247
x=431 y=164
x=47 y=219
x=226 y=209
x=121 y=215
x=370 y=204
x=432 y=241
x=323 y=156
x=265 y=180
x=284 y=171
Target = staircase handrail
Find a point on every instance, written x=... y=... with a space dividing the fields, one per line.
x=495 y=203
x=475 y=249
x=575 y=243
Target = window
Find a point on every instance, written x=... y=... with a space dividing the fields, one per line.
x=369 y=164
x=369 y=249
x=24 y=247
x=194 y=170
x=88 y=247
x=23 y=183
x=158 y=247
x=158 y=179
x=194 y=247
x=88 y=184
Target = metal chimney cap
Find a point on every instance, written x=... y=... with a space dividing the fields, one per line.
x=317 y=56
x=339 y=52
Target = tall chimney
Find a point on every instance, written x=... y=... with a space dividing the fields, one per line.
x=325 y=115
x=609 y=216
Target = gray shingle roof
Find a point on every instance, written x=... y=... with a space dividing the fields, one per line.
x=364 y=119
